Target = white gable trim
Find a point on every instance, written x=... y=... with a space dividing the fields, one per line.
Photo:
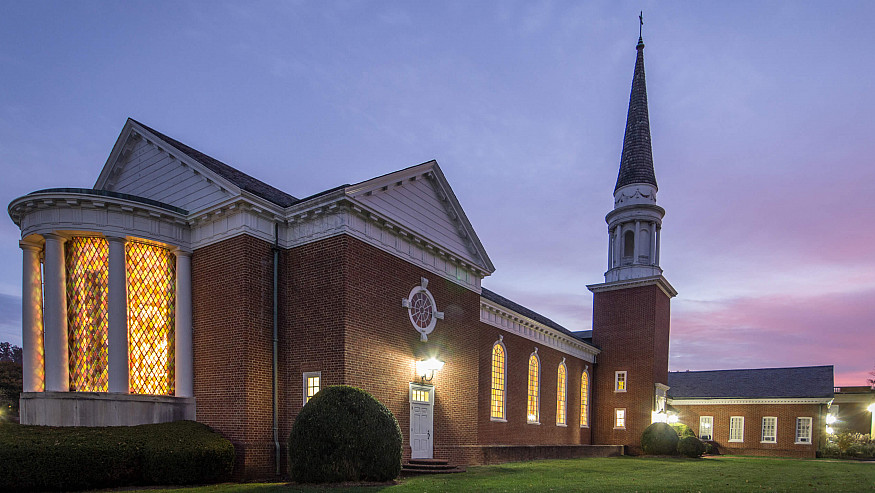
x=429 y=171
x=130 y=134
x=729 y=402
x=510 y=321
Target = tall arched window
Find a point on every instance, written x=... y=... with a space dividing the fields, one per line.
x=534 y=387
x=561 y=394
x=499 y=360
x=584 y=399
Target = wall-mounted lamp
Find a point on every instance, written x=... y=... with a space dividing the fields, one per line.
x=426 y=368
x=871 y=408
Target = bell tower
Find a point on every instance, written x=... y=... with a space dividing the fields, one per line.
x=631 y=309
x=635 y=223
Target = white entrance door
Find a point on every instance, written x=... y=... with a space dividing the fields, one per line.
x=421 y=421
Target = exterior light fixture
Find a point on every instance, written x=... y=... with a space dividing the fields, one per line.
x=830 y=430
x=871 y=408
x=673 y=418
x=426 y=368
x=830 y=419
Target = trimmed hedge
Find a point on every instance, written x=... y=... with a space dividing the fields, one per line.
x=344 y=434
x=691 y=446
x=683 y=430
x=659 y=439
x=68 y=458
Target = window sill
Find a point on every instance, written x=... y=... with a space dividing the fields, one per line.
x=619 y=427
x=768 y=441
x=533 y=423
x=615 y=390
x=584 y=426
x=498 y=420
x=735 y=441
x=562 y=425
x=802 y=443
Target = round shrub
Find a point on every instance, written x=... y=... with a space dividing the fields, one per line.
x=344 y=434
x=659 y=439
x=683 y=430
x=691 y=447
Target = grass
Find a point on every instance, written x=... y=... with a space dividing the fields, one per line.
x=648 y=474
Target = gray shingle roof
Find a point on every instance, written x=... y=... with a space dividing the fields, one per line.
x=805 y=381
x=537 y=317
x=636 y=163
x=235 y=176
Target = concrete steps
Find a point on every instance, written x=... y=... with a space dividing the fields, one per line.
x=428 y=466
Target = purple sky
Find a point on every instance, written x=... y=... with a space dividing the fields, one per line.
x=761 y=115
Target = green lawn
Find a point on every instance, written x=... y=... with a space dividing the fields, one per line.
x=731 y=474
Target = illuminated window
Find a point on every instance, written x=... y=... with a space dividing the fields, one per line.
x=498 y=379
x=620 y=418
x=584 y=399
x=312 y=384
x=706 y=427
x=151 y=283
x=736 y=429
x=533 y=407
x=421 y=395
x=770 y=429
x=561 y=395
x=619 y=381
x=803 y=431
x=87 y=266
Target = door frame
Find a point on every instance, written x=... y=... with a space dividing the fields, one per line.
x=429 y=453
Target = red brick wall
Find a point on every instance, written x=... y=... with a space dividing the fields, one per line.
x=753 y=421
x=232 y=334
x=517 y=430
x=631 y=327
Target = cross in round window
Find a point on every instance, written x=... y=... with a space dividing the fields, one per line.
x=422 y=309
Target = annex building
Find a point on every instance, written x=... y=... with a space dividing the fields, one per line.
x=179 y=287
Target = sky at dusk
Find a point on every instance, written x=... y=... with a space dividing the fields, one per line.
x=761 y=119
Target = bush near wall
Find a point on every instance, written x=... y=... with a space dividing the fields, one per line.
x=68 y=458
x=344 y=434
x=659 y=439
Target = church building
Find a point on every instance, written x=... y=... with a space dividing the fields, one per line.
x=179 y=287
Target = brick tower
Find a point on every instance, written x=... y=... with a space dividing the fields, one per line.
x=631 y=308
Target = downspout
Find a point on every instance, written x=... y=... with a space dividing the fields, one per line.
x=276 y=257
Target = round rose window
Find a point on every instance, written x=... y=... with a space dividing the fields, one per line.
x=422 y=309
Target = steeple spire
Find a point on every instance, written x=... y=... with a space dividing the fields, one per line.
x=636 y=163
x=635 y=224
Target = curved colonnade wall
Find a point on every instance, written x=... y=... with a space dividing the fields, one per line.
x=106 y=309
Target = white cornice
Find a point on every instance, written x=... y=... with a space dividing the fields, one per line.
x=659 y=281
x=510 y=321
x=772 y=400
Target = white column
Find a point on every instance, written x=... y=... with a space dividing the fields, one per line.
x=658 y=233
x=32 y=317
x=117 y=338
x=55 y=317
x=610 y=249
x=637 y=249
x=184 y=373
x=653 y=243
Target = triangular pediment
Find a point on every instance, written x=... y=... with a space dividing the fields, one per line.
x=144 y=165
x=421 y=200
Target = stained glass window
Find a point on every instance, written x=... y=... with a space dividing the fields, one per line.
x=584 y=399
x=87 y=266
x=561 y=391
x=497 y=381
x=534 y=376
x=151 y=280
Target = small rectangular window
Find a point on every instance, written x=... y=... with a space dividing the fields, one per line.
x=803 y=431
x=312 y=384
x=706 y=427
x=619 y=381
x=736 y=429
x=770 y=429
x=620 y=418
